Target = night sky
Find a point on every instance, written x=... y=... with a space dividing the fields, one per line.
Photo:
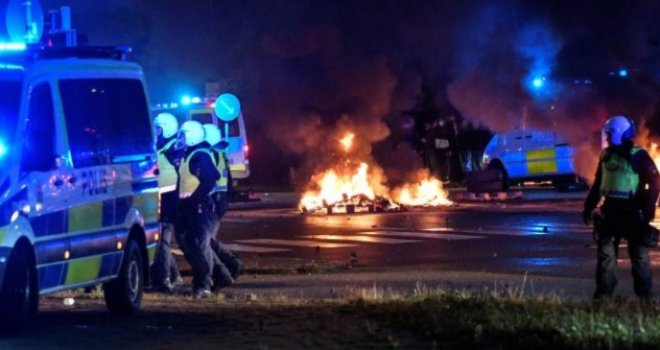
x=306 y=71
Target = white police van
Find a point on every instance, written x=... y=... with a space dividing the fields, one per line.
x=78 y=189
x=530 y=155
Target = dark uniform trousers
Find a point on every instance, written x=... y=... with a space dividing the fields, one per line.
x=195 y=227
x=165 y=267
x=622 y=221
x=226 y=265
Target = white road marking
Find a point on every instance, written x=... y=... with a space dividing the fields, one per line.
x=445 y=236
x=237 y=220
x=176 y=251
x=508 y=231
x=513 y=230
x=296 y=243
x=234 y=247
x=364 y=239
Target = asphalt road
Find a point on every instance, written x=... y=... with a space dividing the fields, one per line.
x=543 y=237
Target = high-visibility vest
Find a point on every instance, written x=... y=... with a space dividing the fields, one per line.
x=188 y=182
x=619 y=179
x=221 y=165
x=167 y=175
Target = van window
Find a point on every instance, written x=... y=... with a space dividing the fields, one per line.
x=204 y=118
x=39 y=143
x=10 y=101
x=106 y=119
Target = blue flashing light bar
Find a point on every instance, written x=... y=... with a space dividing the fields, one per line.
x=623 y=73
x=186 y=100
x=3 y=149
x=10 y=67
x=196 y=99
x=13 y=47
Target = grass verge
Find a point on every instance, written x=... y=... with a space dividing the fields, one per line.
x=369 y=318
x=506 y=320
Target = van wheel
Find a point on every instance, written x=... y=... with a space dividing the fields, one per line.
x=123 y=295
x=19 y=298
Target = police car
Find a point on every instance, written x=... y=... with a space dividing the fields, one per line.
x=530 y=155
x=233 y=132
x=78 y=182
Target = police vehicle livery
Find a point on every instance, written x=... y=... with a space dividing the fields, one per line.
x=530 y=155
x=78 y=183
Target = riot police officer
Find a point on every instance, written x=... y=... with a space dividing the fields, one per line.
x=197 y=178
x=220 y=196
x=165 y=271
x=628 y=179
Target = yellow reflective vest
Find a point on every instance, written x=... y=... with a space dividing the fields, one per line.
x=188 y=182
x=167 y=175
x=221 y=165
x=619 y=179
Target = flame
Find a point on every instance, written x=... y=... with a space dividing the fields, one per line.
x=358 y=185
x=427 y=192
x=347 y=141
x=654 y=152
x=334 y=188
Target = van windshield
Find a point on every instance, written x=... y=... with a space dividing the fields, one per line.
x=10 y=102
x=204 y=118
x=107 y=120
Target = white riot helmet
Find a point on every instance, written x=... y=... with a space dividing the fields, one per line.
x=193 y=131
x=168 y=123
x=213 y=135
x=619 y=128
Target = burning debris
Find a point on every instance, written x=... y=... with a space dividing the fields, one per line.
x=427 y=191
x=654 y=151
x=356 y=187
x=349 y=189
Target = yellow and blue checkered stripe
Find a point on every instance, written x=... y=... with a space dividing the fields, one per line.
x=93 y=236
x=541 y=161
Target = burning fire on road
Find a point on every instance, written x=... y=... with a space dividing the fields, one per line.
x=654 y=151
x=353 y=186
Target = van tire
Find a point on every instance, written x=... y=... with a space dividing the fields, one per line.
x=19 y=298
x=123 y=295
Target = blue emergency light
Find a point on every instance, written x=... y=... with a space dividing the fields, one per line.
x=3 y=149
x=623 y=73
x=538 y=83
x=186 y=100
x=12 y=47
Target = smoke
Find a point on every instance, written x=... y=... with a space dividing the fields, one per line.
x=309 y=71
x=322 y=95
x=519 y=68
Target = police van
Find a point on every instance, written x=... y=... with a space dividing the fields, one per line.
x=233 y=132
x=78 y=182
x=530 y=155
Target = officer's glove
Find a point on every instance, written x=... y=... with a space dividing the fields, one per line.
x=586 y=216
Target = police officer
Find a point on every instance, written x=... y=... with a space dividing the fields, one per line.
x=628 y=179
x=197 y=178
x=165 y=271
x=220 y=197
